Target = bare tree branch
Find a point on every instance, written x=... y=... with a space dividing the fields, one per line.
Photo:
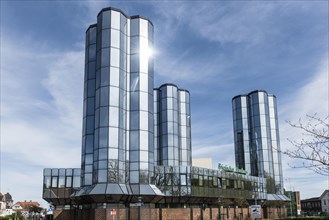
x=313 y=149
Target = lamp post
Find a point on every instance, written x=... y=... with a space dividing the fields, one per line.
x=219 y=208
x=139 y=207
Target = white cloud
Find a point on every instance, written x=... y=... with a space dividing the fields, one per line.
x=41 y=111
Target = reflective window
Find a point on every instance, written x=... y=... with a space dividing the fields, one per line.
x=76 y=181
x=134 y=142
x=92 y=36
x=46 y=181
x=61 y=182
x=134 y=45
x=115 y=38
x=134 y=27
x=114 y=117
x=106 y=19
x=54 y=182
x=102 y=176
x=114 y=77
x=105 y=59
x=143 y=27
x=105 y=76
x=143 y=140
x=113 y=137
x=106 y=38
x=102 y=154
x=68 y=182
x=113 y=153
x=115 y=19
x=104 y=117
x=134 y=63
x=103 y=135
x=114 y=96
x=134 y=120
x=115 y=57
x=92 y=52
x=134 y=177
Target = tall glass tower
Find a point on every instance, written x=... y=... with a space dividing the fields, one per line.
x=172 y=126
x=117 y=137
x=256 y=137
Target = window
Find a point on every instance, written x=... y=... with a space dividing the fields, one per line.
x=183 y=179
x=200 y=180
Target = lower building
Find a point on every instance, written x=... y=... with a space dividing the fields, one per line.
x=294 y=206
x=311 y=206
x=325 y=202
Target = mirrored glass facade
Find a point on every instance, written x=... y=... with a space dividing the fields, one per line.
x=117 y=136
x=172 y=126
x=256 y=137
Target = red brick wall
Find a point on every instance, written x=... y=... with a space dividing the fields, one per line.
x=167 y=214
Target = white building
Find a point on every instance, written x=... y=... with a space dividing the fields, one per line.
x=325 y=201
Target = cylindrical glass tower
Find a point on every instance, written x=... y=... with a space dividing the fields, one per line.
x=256 y=137
x=172 y=126
x=117 y=148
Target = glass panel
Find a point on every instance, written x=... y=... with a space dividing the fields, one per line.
x=114 y=117
x=143 y=27
x=134 y=120
x=144 y=120
x=134 y=45
x=47 y=181
x=113 y=153
x=115 y=57
x=113 y=137
x=103 y=135
x=68 y=182
x=92 y=52
x=114 y=77
x=102 y=154
x=76 y=181
x=144 y=101
x=61 y=182
x=114 y=96
x=54 y=182
x=106 y=19
x=102 y=176
x=134 y=27
x=134 y=142
x=104 y=117
x=105 y=76
x=134 y=63
x=115 y=38
x=106 y=38
x=143 y=140
x=105 y=59
x=115 y=19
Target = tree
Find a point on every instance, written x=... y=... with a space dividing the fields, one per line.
x=313 y=148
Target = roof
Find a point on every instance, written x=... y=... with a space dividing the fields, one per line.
x=311 y=199
x=26 y=205
x=324 y=193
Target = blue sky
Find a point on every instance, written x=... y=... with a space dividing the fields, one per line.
x=214 y=49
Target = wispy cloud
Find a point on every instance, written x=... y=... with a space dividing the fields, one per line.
x=41 y=112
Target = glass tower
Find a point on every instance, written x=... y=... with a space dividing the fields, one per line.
x=172 y=126
x=256 y=137
x=117 y=136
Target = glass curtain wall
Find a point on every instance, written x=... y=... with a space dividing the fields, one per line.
x=256 y=137
x=275 y=138
x=172 y=126
x=141 y=101
x=117 y=144
x=88 y=108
